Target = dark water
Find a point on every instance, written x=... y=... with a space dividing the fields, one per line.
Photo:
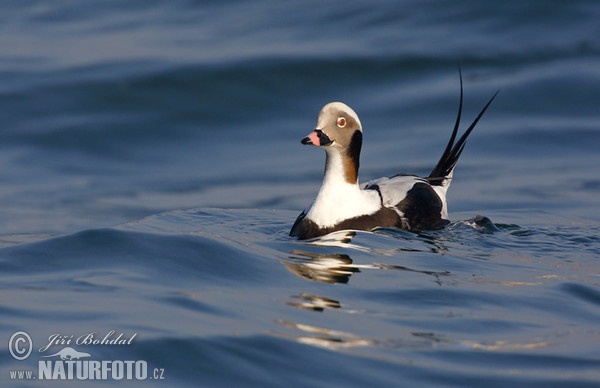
x=150 y=169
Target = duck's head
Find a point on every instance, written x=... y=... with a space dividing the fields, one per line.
x=337 y=125
x=339 y=132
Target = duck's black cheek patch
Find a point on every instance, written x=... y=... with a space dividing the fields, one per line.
x=355 y=146
x=353 y=154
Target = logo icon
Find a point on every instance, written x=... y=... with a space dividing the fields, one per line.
x=20 y=345
x=69 y=353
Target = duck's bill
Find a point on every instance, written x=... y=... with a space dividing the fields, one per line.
x=317 y=138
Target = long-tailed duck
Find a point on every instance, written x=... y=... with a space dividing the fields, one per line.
x=404 y=201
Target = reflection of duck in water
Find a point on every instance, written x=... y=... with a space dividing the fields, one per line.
x=337 y=268
x=403 y=201
x=324 y=268
x=314 y=302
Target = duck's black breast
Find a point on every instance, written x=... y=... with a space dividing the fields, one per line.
x=305 y=228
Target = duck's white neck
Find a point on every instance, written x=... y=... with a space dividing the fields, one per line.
x=339 y=169
x=340 y=197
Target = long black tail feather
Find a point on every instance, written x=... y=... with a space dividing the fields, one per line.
x=449 y=158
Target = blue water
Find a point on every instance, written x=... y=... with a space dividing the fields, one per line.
x=150 y=170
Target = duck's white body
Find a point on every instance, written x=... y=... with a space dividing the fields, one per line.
x=404 y=201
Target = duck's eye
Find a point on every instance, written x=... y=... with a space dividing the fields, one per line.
x=341 y=122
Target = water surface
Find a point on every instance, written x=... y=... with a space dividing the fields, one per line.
x=150 y=169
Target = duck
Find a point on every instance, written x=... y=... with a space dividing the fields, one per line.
x=403 y=201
